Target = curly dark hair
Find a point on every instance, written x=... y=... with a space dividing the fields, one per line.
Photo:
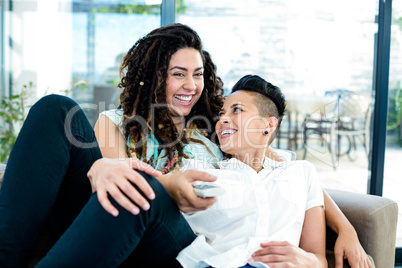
x=144 y=74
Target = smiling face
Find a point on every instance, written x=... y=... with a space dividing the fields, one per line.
x=185 y=81
x=240 y=128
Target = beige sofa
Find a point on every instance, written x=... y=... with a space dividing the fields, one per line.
x=374 y=219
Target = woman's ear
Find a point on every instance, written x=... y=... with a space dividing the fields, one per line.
x=272 y=123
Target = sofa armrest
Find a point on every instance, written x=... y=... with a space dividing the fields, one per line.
x=375 y=220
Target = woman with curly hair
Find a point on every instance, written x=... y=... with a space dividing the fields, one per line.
x=168 y=106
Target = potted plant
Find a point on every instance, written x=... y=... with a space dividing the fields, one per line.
x=12 y=116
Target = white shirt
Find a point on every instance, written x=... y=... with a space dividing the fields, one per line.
x=256 y=207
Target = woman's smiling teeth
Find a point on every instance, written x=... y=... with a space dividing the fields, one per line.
x=184 y=98
x=227 y=132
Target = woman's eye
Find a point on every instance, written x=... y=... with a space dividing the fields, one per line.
x=178 y=74
x=198 y=74
x=221 y=114
x=237 y=109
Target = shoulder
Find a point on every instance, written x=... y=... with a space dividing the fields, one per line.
x=204 y=150
x=115 y=115
x=302 y=170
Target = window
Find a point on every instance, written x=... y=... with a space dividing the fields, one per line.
x=310 y=49
x=393 y=152
x=73 y=47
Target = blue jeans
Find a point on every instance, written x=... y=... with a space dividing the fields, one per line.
x=45 y=186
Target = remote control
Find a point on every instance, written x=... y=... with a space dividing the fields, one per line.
x=208 y=190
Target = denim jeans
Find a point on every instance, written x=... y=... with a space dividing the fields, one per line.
x=46 y=184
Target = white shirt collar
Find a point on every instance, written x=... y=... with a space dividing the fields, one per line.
x=234 y=164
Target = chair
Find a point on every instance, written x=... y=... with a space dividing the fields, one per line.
x=349 y=119
x=288 y=130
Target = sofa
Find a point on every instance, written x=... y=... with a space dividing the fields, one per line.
x=374 y=218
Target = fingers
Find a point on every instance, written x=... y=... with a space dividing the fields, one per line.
x=141 y=183
x=273 y=252
x=359 y=261
x=369 y=265
x=192 y=203
x=338 y=259
x=123 y=201
x=273 y=247
x=114 y=178
x=195 y=175
x=275 y=243
x=137 y=164
x=106 y=204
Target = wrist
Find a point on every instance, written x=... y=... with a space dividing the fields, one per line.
x=346 y=229
x=318 y=261
x=165 y=181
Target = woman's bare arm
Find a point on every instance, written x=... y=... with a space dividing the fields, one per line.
x=111 y=141
x=313 y=235
x=347 y=244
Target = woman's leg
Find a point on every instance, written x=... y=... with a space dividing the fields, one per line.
x=45 y=178
x=96 y=239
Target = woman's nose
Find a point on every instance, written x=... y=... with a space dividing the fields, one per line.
x=224 y=119
x=190 y=84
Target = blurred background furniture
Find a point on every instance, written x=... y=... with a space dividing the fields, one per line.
x=339 y=129
x=298 y=107
x=288 y=131
x=373 y=217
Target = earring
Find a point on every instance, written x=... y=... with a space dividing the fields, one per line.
x=266 y=132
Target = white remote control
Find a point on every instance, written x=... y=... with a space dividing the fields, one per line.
x=208 y=190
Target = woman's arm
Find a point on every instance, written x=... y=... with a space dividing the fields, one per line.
x=311 y=250
x=347 y=244
x=313 y=235
x=111 y=141
x=113 y=176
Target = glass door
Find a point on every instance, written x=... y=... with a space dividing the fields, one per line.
x=393 y=151
x=315 y=52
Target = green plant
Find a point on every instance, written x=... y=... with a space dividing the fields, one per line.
x=13 y=110
x=138 y=9
x=395 y=112
x=12 y=116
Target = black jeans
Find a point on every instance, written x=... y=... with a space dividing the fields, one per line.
x=46 y=184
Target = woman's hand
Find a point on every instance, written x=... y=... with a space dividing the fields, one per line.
x=113 y=176
x=347 y=246
x=180 y=187
x=284 y=254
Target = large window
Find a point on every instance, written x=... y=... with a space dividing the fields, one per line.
x=310 y=49
x=73 y=47
x=103 y=31
x=393 y=152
